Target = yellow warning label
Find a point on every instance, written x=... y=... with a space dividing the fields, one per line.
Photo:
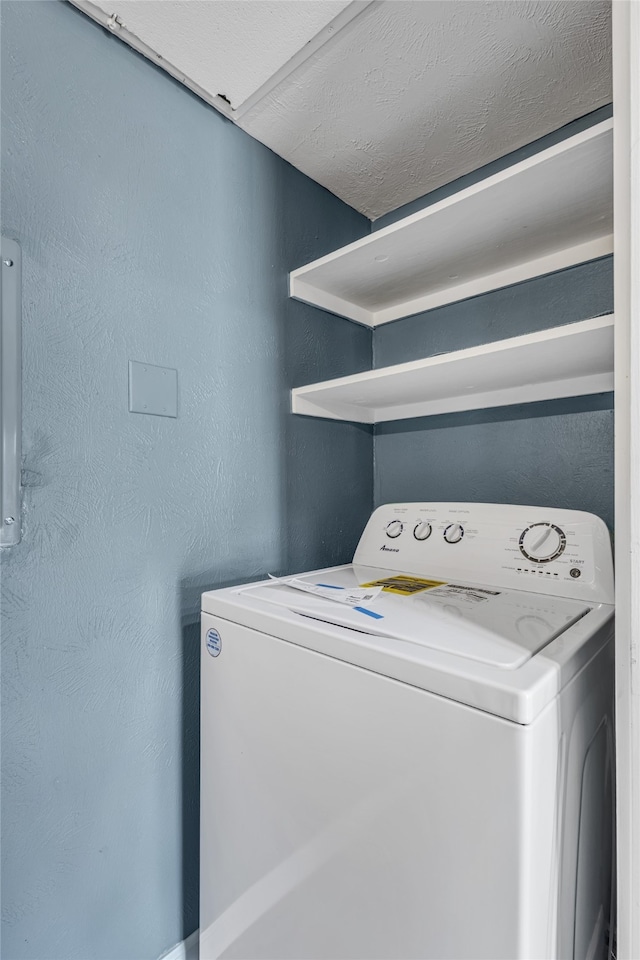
x=404 y=585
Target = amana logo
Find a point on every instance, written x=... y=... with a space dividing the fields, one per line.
x=390 y=549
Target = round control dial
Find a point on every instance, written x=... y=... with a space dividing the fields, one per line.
x=454 y=533
x=422 y=531
x=542 y=542
x=394 y=529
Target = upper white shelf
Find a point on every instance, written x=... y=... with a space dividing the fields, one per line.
x=568 y=361
x=548 y=212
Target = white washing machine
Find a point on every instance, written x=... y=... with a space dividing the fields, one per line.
x=411 y=756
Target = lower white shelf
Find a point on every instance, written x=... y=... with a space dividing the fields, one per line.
x=567 y=361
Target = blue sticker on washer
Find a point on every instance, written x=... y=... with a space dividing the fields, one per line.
x=214 y=643
x=370 y=613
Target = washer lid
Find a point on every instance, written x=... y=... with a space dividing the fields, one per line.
x=501 y=628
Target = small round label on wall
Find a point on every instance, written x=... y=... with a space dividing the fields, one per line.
x=214 y=643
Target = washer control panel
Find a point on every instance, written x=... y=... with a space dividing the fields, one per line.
x=542 y=542
x=544 y=550
x=394 y=529
x=422 y=530
x=453 y=533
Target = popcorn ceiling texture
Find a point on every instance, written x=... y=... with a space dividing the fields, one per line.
x=409 y=96
x=152 y=229
x=412 y=95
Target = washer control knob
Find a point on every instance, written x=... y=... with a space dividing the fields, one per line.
x=454 y=533
x=394 y=529
x=542 y=542
x=422 y=530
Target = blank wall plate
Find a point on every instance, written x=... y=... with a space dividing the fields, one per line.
x=153 y=389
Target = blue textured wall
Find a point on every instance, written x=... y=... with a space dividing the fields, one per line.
x=556 y=453
x=153 y=230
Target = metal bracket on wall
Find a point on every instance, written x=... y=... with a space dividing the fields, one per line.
x=11 y=393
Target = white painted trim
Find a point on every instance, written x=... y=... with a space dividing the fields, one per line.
x=113 y=23
x=493 y=215
x=116 y=26
x=626 y=91
x=185 y=950
x=568 y=361
x=337 y=26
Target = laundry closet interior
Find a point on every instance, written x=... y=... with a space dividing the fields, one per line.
x=358 y=315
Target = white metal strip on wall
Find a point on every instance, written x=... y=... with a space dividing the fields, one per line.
x=11 y=393
x=626 y=150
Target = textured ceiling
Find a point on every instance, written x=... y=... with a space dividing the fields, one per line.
x=418 y=93
x=227 y=47
x=391 y=99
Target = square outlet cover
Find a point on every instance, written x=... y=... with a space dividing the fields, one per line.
x=153 y=389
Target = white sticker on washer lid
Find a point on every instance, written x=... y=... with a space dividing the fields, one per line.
x=329 y=591
x=214 y=643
